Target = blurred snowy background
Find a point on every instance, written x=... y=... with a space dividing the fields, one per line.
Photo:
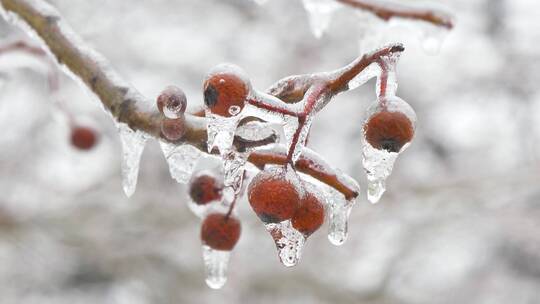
x=460 y=222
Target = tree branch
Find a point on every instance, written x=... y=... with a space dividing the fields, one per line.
x=386 y=12
x=124 y=102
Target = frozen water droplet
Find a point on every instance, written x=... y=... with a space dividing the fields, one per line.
x=338 y=211
x=133 y=143
x=215 y=264
x=289 y=242
x=181 y=159
x=320 y=14
x=234 y=110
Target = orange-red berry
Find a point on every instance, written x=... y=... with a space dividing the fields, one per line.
x=225 y=90
x=172 y=102
x=83 y=138
x=205 y=188
x=220 y=232
x=309 y=216
x=273 y=196
x=388 y=131
x=173 y=129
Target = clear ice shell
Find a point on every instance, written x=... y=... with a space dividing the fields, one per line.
x=338 y=211
x=181 y=159
x=320 y=14
x=378 y=164
x=215 y=265
x=233 y=169
x=133 y=143
x=289 y=242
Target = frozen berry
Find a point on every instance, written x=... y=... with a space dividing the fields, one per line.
x=390 y=131
x=220 y=232
x=273 y=195
x=310 y=214
x=173 y=129
x=172 y=102
x=205 y=188
x=225 y=90
x=83 y=138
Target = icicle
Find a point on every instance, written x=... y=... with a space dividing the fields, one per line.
x=378 y=165
x=181 y=159
x=432 y=37
x=233 y=169
x=320 y=14
x=289 y=242
x=338 y=212
x=133 y=143
x=215 y=264
x=221 y=132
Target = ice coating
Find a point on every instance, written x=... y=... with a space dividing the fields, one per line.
x=389 y=71
x=320 y=14
x=371 y=71
x=233 y=169
x=289 y=242
x=181 y=159
x=215 y=265
x=261 y=2
x=338 y=211
x=256 y=130
x=133 y=143
x=378 y=164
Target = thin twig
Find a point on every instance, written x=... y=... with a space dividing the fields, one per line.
x=388 y=11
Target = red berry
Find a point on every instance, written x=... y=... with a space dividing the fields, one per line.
x=273 y=196
x=173 y=129
x=83 y=138
x=309 y=216
x=220 y=232
x=388 y=131
x=205 y=188
x=172 y=102
x=225 y=90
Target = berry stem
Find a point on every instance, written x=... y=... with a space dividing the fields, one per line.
x=383 y=80
x=387 y=12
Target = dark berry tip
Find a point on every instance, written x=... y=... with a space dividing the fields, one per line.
x=211 y=96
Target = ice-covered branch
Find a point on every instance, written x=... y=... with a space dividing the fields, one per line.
x=309 y=163
x=388 y=11
x=123 y=101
